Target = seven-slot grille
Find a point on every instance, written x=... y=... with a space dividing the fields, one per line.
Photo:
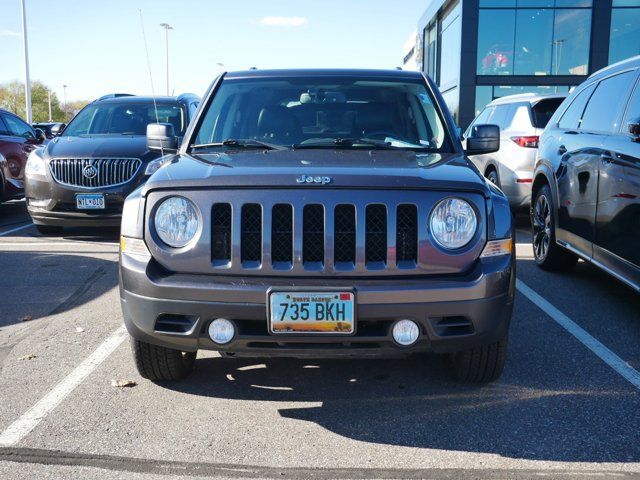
x=324 y=231
x=94 y=172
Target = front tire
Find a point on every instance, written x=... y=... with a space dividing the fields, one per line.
x=481 y=364
x=160 y=363
x=547 y=253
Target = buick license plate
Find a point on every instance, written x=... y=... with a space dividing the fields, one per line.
x=91 y=201
x=312 y=312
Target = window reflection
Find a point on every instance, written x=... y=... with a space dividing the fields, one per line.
x=534 y=41
x=625 y=33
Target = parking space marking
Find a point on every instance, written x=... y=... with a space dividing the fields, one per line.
x=32 y=417
x=606 y=355
x=16 y=229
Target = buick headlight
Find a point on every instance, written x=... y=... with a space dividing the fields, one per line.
x=453 y=223
x=176 y=222
x=157 y=164
x=35 y=165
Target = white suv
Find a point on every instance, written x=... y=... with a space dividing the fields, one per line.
x=521 y=119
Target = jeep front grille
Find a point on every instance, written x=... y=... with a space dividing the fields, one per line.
x=314 y=232
x=106 y=172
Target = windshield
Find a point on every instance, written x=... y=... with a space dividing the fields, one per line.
x=124 y=119
x=544 y=110
x=323 y=113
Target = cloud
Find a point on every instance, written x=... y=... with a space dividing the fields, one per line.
x=5 y=32
x=282 y=21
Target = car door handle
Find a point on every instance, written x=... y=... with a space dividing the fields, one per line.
x=562 y=150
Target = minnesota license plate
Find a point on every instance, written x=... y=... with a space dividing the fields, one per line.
x=90 y=201
x=312 y=312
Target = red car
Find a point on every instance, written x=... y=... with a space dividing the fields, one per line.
x=17 y=140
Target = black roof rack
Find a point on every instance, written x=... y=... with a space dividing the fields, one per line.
x=113 y=95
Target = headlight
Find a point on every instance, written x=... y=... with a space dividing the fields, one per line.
x=35 y=165
x=155 y=165
x=177 y=221
x=453 y=223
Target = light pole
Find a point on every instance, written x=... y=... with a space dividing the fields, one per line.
x=27 y=81
x=49 y=97
x=64 y=89
x=220 y=67
x=167 y=27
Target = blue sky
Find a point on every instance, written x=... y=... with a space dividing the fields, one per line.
x=96 y=47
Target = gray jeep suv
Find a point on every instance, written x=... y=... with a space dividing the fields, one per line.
x=318 y=213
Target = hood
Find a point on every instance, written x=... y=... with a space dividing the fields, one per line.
x=383 y=169
x=100 y=146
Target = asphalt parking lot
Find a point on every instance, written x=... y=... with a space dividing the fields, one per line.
x=566 y=407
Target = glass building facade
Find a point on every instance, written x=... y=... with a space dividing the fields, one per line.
x=479 y=50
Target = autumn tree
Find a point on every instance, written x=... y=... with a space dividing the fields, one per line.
x=12 y=99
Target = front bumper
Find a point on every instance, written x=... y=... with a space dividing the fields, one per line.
x=454 y=313
x=50 y=203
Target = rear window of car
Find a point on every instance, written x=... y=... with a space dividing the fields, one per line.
x=544 y=110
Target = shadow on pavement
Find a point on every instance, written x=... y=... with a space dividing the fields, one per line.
x=37 y=284
x=413 y=403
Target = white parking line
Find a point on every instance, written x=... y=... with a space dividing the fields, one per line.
x=16 y=229
x=606 y=355
x=32 y=417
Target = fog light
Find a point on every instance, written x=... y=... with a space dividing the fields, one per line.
x=221 y=331
x=405 y=332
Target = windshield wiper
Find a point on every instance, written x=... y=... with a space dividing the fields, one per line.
x=344 y=143
x=246 y=143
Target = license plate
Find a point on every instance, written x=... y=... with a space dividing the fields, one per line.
x=90 y=201
x=312 y=312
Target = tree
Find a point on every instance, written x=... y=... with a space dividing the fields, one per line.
x=12 y=99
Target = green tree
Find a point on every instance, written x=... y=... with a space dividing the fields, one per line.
x=12 y=99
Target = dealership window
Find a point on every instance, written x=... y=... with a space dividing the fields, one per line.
x=451 y=44
x=487 y=93
x=625 y=30
x=534 y=37
x=430 y=50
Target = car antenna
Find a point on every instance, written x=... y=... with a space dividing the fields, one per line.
x=153 y=92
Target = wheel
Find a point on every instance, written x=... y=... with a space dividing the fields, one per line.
x=159 y=363
x=49 y=229
x=492 y=176
x=481 y=364
x=547 y=253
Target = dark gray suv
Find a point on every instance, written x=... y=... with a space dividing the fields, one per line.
x=319 y=213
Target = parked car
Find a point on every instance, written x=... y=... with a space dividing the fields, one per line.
x=521 y=119
x=47 y=128
x=17 y=140
x=319 y=213
x=81 y=177
x=587 y=178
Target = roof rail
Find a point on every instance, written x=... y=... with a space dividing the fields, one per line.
x=113 y=95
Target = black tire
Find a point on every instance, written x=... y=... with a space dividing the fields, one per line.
x=492 y=176
x=49 y=229
x=547 y=253
x=481 y=364
x=159 y=363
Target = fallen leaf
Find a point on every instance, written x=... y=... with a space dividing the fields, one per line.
x=123 y=383
x=79 y=329
x=31 y=356
x=26 y=318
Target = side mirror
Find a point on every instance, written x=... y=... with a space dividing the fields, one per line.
x=57 y=129
x=483 y=139
x=634 y=128
x=40 y=136
x=161 y=136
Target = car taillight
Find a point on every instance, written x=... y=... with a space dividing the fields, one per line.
x=526 y=142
